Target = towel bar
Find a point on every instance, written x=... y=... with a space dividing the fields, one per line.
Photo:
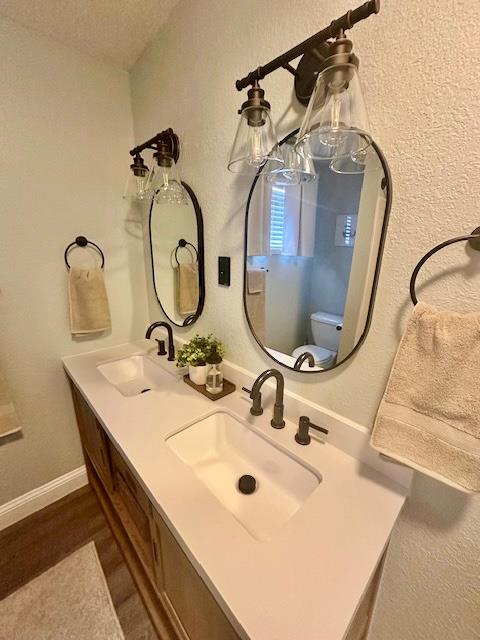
x=182 y=244
x=81 y=241
x=472 y=238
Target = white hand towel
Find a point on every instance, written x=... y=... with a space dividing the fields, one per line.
x=9 y=422
x=89 y=309
x=429 y=417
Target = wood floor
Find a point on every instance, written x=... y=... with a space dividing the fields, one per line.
x=35 y=544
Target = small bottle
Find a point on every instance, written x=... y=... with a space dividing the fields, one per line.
x=214 y=372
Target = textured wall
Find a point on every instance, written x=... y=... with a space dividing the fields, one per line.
x=421 y=84
x=66 y=128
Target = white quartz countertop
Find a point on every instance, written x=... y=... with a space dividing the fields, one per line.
x=303 y=584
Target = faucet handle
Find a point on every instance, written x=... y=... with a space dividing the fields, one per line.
x=322 y=429
x=302 y=436
x=256 y=408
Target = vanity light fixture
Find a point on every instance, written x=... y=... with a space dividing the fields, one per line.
x=144 y=184
x=256 y=140
x=335 y=125
x=336 y=122
x=136 y=189
x=164 y=180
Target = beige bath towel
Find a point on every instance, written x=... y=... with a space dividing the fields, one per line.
x=256 y=294
x=429 y=417
x=89 y=310
x=186 y=288
x=8 y=416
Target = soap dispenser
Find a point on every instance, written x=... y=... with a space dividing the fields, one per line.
x=214 y=372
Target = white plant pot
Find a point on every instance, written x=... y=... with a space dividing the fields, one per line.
x=198 y=375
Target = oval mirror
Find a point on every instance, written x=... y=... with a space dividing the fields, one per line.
x=312 y=258
x=176 y=249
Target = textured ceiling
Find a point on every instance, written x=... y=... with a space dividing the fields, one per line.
x=115 y=30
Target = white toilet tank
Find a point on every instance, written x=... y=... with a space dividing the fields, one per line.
x=325 y=329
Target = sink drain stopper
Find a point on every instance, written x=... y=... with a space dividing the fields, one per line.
x=247 y=484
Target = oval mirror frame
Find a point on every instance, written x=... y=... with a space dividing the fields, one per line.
x=191 y=319
x=388 y=189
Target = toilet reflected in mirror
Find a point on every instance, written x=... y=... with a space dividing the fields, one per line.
x=326 y=331
x=312 y=260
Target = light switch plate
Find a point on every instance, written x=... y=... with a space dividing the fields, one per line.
x=224 y=271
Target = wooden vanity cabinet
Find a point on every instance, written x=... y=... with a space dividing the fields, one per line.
x=93 y=437
x=187 y=594
x=134 y=508
x=179 y=603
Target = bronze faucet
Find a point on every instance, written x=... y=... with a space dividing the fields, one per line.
x=171 y=345
x=277 y=421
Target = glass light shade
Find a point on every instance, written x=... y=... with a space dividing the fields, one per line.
x=296 y=169
x=137 y=187
x=165 y=184
x=350 y=164
x=355 y=162
x=336 y=122
x=255 y=142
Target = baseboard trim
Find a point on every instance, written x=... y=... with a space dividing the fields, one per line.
x=34 y=500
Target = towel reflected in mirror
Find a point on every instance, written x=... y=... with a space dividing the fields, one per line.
x=186 y=288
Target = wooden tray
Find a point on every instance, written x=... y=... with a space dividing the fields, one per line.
x=228 y=387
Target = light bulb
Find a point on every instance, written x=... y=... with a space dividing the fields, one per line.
x=336 y=121
x=257 y=156
x=141 y=187
x=137 y=187
x=256 y=141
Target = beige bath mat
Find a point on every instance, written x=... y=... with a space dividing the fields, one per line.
x=70 y=601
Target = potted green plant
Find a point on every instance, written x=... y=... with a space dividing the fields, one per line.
x=195 y=354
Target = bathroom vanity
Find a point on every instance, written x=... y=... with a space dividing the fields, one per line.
x=298 y=558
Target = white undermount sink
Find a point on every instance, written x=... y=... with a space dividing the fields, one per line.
x=134 y=375
x=220 y=449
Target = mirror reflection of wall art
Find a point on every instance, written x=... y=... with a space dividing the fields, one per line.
x=176 y=242
x=312 y=259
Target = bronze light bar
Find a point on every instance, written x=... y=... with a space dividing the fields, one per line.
x=336 y=121
x=167 y=137
x=162 y=183
x=335 y=28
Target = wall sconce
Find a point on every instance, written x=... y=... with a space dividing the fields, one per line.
x=162 y=182
x=336 y=122
x=136 y=189
x=335 y=125
x=256 y=139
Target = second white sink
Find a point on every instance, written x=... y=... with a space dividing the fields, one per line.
x=134 y=375
x=221 y=448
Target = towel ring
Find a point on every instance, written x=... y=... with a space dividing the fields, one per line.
x=473 y=240
x=181 y=245
x=81 y=241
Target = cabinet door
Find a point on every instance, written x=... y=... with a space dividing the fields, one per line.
x=157 y=552
x=93 y=438
x=193 y=603
x=134 y=509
